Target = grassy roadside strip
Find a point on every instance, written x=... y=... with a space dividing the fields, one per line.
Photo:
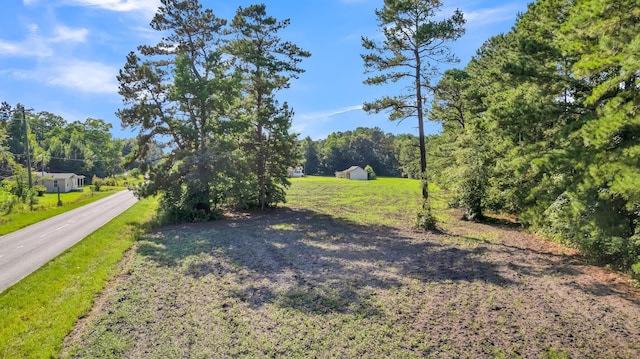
x=14 y=221
x=39 y=311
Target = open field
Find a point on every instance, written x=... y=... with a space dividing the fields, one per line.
x=321 y=279
x=47 y=207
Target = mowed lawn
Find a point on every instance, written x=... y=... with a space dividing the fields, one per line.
x=337 y=272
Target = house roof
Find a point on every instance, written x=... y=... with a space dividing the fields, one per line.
x=58 y=176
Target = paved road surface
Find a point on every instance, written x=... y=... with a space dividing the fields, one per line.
x=24 y=251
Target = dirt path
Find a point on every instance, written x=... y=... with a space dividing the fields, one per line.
x=298 y=284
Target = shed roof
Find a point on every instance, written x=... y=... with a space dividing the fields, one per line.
x=351 y=169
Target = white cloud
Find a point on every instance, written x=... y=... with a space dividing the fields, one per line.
x=304 y=121
x=9 y=48
x=487 y=16
x=82 y=76
x=67 y=34
x=327 y=114
x=144 y=6
x=474 y=16
x=88 y=77
x=35 y=45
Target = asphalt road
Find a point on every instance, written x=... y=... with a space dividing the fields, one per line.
x=24 y=251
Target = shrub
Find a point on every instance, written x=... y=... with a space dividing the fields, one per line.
x=97 y=183
x=39 y=189
x=135 y=172
x=7 y=200
x=31 y=197
x=635 y=270
x=186 y=205
x=470 y=187
x=110 y=181
x=11 y=186
x=371 y=174
x=425 y=218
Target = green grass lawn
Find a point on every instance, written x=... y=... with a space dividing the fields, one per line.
x=39 y=311
x=384 y=201
x=47 y=207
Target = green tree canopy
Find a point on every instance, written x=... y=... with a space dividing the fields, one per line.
x=551 y=127
x=268 y=64
x=207 y=93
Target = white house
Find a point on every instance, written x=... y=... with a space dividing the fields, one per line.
x=295 y=172
x=353 y=173
x=67 y=182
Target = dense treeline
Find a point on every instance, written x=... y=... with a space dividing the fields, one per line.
x=389 y=155
x=543 y=123
x=55 y=145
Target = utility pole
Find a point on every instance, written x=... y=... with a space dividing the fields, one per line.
x=26 y=145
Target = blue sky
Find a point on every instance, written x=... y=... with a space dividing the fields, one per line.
x=62 y=56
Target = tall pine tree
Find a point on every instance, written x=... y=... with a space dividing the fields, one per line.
x=181 y=91
x=414 y=45
x=268 y=64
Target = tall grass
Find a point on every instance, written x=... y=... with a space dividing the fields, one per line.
x=39 y=311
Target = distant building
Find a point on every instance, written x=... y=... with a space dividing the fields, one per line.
x=353 y=173
x=295 y=172
x=67 y=182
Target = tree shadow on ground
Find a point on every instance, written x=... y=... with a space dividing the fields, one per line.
x=315 y=263
x=540 y=263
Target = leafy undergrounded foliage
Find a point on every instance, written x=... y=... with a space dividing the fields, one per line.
x=543 y=123
x=207 y=90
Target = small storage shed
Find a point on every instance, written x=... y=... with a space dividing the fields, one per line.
x=67 y=182
x=353 y=173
